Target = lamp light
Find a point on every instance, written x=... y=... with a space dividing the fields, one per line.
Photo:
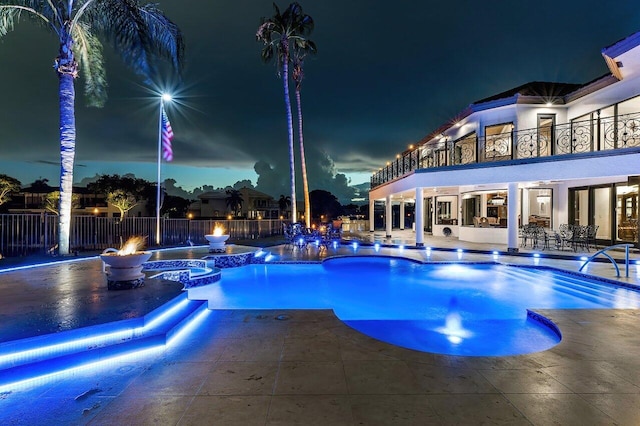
x=497 y=201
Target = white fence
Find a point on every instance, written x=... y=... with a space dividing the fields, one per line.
x=22 y=234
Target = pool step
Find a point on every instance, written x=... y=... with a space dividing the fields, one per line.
x=40 y=356
x=596 y=292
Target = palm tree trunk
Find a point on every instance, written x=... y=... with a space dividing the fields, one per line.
x=305 y=182
x=287 y=101
x=66 y=93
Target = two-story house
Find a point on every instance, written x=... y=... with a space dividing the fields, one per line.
x=543 y=153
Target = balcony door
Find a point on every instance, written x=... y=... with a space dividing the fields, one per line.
x=546 y=137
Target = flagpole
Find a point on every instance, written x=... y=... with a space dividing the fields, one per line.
x=159 y=164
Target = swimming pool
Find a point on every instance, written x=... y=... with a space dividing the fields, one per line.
x=457 y=309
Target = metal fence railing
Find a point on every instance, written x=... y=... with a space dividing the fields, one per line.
x=577 y=137
x=23 y=234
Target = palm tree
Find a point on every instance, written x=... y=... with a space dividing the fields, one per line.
x=140 y=33
x=299 y=52
x=284 y=202
x=234 y=200
x=278 y=33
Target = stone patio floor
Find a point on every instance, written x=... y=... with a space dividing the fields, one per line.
x=246 y=367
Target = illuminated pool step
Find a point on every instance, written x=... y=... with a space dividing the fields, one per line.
x=41 y=355
x=594 y=291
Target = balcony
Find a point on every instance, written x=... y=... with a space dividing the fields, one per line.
x=598 y=134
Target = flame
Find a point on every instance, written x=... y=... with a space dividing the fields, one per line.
x=132 y=245
x=218 y=230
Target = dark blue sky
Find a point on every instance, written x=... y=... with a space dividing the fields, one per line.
x=386 y=74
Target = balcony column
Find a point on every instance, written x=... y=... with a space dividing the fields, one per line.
x=419 y=219
x=388 y=217
x=402 y=215
x=512 y=217
x=372 y=204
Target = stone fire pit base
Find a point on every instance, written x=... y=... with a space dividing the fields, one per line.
x=124 y=272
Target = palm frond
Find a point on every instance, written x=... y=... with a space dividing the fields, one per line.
x=88 y=52
x=166 y=39
x=10 y=15
x=138 y=33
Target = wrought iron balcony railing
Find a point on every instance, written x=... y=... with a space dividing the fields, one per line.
x=597 y=134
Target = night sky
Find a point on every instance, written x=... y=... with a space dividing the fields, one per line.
x=386 y=74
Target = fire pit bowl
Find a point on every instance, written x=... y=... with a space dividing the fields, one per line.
x=217 y=239
x=216 y=243
x=124 y=267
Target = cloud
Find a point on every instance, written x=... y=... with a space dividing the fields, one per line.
x=273 y=179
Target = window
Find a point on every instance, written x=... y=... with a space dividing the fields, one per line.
x=446 y=208
x=497 y=208
x=497 y=145
x=540 y=207
x=464 y=149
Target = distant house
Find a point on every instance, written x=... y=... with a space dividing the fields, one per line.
x=31 y=200
x=255 y=205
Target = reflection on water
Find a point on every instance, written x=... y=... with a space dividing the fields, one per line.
x=453 y=329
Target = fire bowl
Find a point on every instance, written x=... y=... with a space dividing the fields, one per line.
x=216 y=243
x=125 y=272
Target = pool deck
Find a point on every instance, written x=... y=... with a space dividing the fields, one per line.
x=282 y=367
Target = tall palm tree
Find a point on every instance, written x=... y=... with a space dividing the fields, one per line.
x=278 y=33
x=140 y=33
x=299 y=52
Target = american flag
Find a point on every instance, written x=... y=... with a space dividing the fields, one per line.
x=167 y=137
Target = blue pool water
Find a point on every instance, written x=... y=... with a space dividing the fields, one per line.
x=457 y=309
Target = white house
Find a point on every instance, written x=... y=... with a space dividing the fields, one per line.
x=544 y=153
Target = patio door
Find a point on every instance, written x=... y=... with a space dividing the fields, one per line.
x=614 y=209
x=627 y=213
x=546 y=137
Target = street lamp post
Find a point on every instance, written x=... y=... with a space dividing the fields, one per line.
x=164 y=98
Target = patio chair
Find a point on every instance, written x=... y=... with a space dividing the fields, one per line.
x=580 y=237
x=287 y=232
x=528 y=235
x=592 y=230
x=565 y=235
x=541 y=238
x=294 y=236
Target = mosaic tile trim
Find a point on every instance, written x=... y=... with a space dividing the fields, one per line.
x=159 y=265
x=545 y=322
x=210 y=278
x=180 y=271
x=234 y=260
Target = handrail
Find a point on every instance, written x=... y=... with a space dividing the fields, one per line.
x=576 y=137
x=603 y=252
